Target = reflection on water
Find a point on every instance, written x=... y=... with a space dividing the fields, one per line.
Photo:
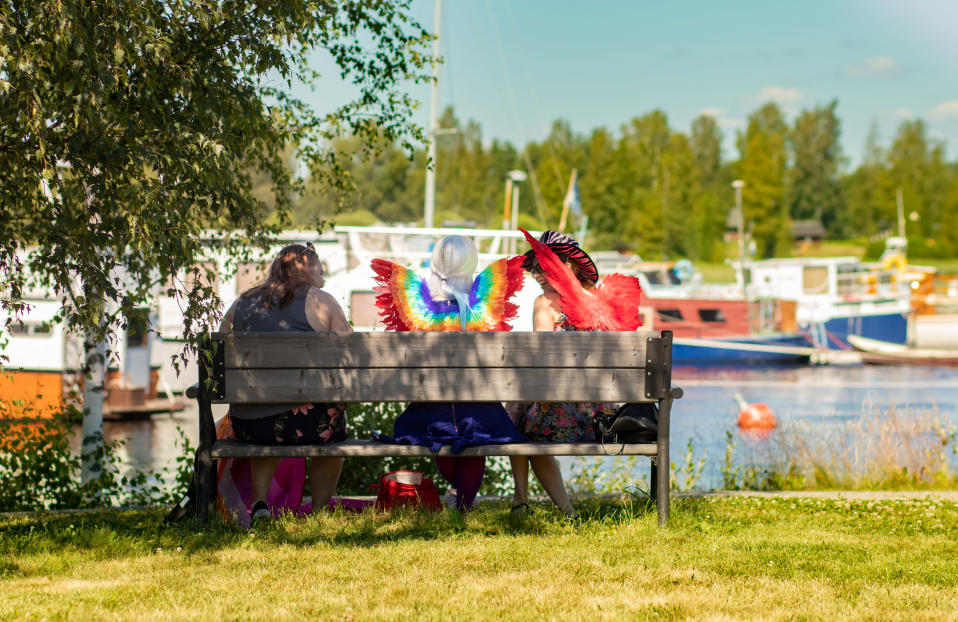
x=814 y=396
x=820 y=395
x=151 y=443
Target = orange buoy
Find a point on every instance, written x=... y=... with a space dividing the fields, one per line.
x=757 y=416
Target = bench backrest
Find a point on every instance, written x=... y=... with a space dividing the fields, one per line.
x=399 y=367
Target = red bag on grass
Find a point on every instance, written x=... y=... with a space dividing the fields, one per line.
x=406 y=488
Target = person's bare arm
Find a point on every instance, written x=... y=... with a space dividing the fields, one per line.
x=324 y=313
x=544 y=312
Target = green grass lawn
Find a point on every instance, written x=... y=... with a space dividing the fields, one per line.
x=720 y=558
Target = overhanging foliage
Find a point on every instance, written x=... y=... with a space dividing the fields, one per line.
x=127 y=127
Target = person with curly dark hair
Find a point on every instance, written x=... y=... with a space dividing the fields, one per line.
x=291 y=299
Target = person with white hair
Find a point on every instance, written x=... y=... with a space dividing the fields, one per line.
x=452 y=298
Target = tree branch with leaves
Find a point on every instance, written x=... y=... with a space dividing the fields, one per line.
x=129 y=127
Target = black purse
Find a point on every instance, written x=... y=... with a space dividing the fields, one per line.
x=631 y=423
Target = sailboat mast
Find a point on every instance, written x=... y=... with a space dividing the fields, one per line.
x=900 y=204
x=430 y=204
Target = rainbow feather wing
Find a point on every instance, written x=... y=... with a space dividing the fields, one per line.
x=491 y=308
x=405 y=304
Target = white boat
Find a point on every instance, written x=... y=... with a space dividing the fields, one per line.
x=884 y=353
x=835 y=297
x=44 y=364
x=934 y=321
x=788 y=311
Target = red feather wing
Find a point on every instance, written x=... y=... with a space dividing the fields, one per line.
x=617 y=303
x=612 y=306
x=576 y=303
x=387 y=275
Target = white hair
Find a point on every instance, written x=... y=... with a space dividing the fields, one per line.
x=453 y=265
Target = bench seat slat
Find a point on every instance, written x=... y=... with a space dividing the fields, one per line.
x=432 y=385
x=371 y=449
x=378 y=349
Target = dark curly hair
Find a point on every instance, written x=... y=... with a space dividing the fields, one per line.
x=293 y=268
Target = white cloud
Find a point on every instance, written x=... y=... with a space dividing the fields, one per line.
x=730 y=123
x=722 y=119
x=936 y=135
x=944 y=111
x=712 y=112
x=779 y=94
x=877 y=66
x=904 y=113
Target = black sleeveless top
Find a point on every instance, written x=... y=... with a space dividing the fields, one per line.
x=251 y=316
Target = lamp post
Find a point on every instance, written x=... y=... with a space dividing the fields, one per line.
x=738 y=184
x=515 y=177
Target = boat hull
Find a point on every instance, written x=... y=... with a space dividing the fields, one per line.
x=772 y=350
x=886 y=353
x=890 y=327
x=31 y=394
x=936 y=332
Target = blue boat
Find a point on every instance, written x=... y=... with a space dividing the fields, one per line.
x=789 y=311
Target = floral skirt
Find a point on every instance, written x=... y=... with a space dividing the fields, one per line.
x=559 y=422
x=308 y=424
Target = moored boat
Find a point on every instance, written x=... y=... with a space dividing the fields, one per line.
x=43 y=371
x=934 y=320
x=884 y=353
x=796 y=310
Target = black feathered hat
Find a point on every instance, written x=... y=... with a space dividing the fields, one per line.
x=565 y=246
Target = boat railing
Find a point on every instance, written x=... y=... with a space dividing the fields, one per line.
x=412 y=246
x=867 y=283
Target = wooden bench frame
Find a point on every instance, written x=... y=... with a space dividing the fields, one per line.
x=297 y=368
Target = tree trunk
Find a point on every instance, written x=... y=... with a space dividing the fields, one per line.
x=93 y=387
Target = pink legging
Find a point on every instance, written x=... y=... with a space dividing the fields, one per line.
x=466 y=475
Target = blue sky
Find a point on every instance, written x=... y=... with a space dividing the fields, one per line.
x=515 y=66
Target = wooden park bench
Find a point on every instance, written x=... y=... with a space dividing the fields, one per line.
x=297 y=368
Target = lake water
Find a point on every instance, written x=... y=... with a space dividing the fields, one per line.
x=819 y=397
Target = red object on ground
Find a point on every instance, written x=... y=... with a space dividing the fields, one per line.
x=406 y=488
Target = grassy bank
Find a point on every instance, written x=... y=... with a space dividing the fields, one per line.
x=719 y=558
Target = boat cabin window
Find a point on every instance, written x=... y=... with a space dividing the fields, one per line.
x=669 y=315
x=711 y=315
x=30 y=329
x=850 y=279
x=654 y=277
x=815 y=280
x=363 y=312
x=662 y=277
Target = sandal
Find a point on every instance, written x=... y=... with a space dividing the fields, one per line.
x=260 y=511
x=519 y=509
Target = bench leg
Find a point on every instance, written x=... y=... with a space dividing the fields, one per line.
x=662 y=484
x=653 y=480
x=662 y=460
x=206 y=480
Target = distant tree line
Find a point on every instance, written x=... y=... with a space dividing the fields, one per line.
x=666 y=193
